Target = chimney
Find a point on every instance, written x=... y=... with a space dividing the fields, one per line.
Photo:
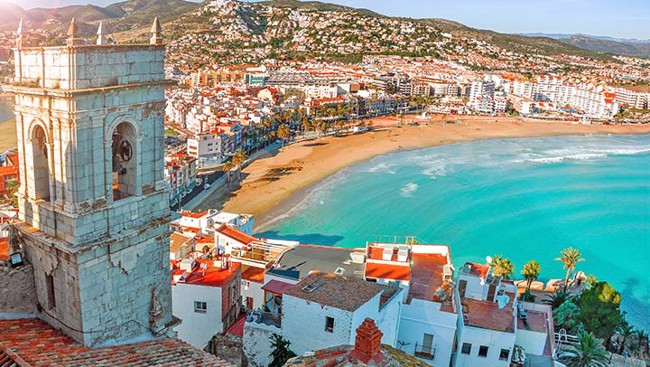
x=367 y=345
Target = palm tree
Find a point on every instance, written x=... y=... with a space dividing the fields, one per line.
x=589 y=352
x=626 y=331
x=556 y=299
x=530 y=272
x=502 y=267
x=238 y=160
x=570 y=258
x=227 y=167
x=284 y=133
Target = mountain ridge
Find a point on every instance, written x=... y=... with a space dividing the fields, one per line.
x=130 y=19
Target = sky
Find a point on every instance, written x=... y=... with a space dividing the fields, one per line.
x=615 y=18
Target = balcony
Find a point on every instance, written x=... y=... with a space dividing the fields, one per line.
x=425 y=351
x=264 y=318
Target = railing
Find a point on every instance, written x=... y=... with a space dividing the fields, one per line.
x=425 y=351
x=264 y=318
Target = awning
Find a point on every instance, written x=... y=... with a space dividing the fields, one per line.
x=276 y=286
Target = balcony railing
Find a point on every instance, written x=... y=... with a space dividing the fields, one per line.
x=425 y=351
x=264 y=318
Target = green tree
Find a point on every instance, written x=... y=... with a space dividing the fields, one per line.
x=565 y=317
x=227 y=167
x=589 y=352
x=502 y=267
x=570 y=258
x=556 y=299
x=531 y=273
x=280 y=351
x=284 y=133
x=626 y=331
x=599 y=310
x=12 y=189
x=238 y=160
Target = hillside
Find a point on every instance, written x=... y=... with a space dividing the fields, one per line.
x=290 y=26
x=630 y=48
x=117 y=17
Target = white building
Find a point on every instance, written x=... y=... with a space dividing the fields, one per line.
x=210 y=148
x=323 y=311
x=208 y=221
x=494 y=328
x=206 y=297
x=428 y=319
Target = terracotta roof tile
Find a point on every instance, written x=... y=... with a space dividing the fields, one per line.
x=339 y=292
x=40 y=345
x=236 y=234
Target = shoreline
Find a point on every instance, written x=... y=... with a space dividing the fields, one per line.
x=272 y=186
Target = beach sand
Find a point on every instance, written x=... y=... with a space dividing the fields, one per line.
x=8 y=138
x=268 y=182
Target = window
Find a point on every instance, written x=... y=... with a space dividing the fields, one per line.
x=49 y=284
x=482 y=351
x=467 y=348
x=329 y=324
x=505 y=353
x=201 y=307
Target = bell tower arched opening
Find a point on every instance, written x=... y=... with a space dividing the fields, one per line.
x=41 y=167
x=124 y=160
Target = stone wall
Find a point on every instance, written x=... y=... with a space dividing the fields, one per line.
x=228 y=347
x=84 y=67
x=17 y=290
x=257 y=343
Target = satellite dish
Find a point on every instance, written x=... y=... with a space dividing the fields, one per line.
x=488 y=259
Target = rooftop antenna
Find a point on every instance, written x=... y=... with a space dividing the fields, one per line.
x=100 y=34
x=156 y=33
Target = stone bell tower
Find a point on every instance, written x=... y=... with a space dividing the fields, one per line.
x=93 y=209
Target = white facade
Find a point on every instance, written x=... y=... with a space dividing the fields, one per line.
x=422 y=317
x=476 y=338
x=209 y=148
x=304 y=323
x=197 y=327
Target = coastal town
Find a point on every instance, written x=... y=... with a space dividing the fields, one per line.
x=131 y=207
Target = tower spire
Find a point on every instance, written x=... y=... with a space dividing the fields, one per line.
x=156 y=33
x=100 y=34
x=19 y=35
x=73 y=40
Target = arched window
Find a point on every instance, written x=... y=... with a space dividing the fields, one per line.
x=40 y=164
x=124 y=161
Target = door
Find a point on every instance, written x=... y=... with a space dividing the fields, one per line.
x=427 y=344
x=491 y=291
x=249 y=303
x=462 y=287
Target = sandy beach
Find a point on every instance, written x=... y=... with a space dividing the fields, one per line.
x=8 y=139
x=268 y=182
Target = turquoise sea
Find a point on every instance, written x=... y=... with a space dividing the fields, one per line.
x=523 y=198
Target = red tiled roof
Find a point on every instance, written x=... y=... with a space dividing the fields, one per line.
x=194 y=215
x=388 y=271
x=236 y=234
x=253 y=274
x=488 y=315
x=212 y=276
x=238 y=327
x=276 y=286
x=5 y=249
x=40 y=345
x=478 y=270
